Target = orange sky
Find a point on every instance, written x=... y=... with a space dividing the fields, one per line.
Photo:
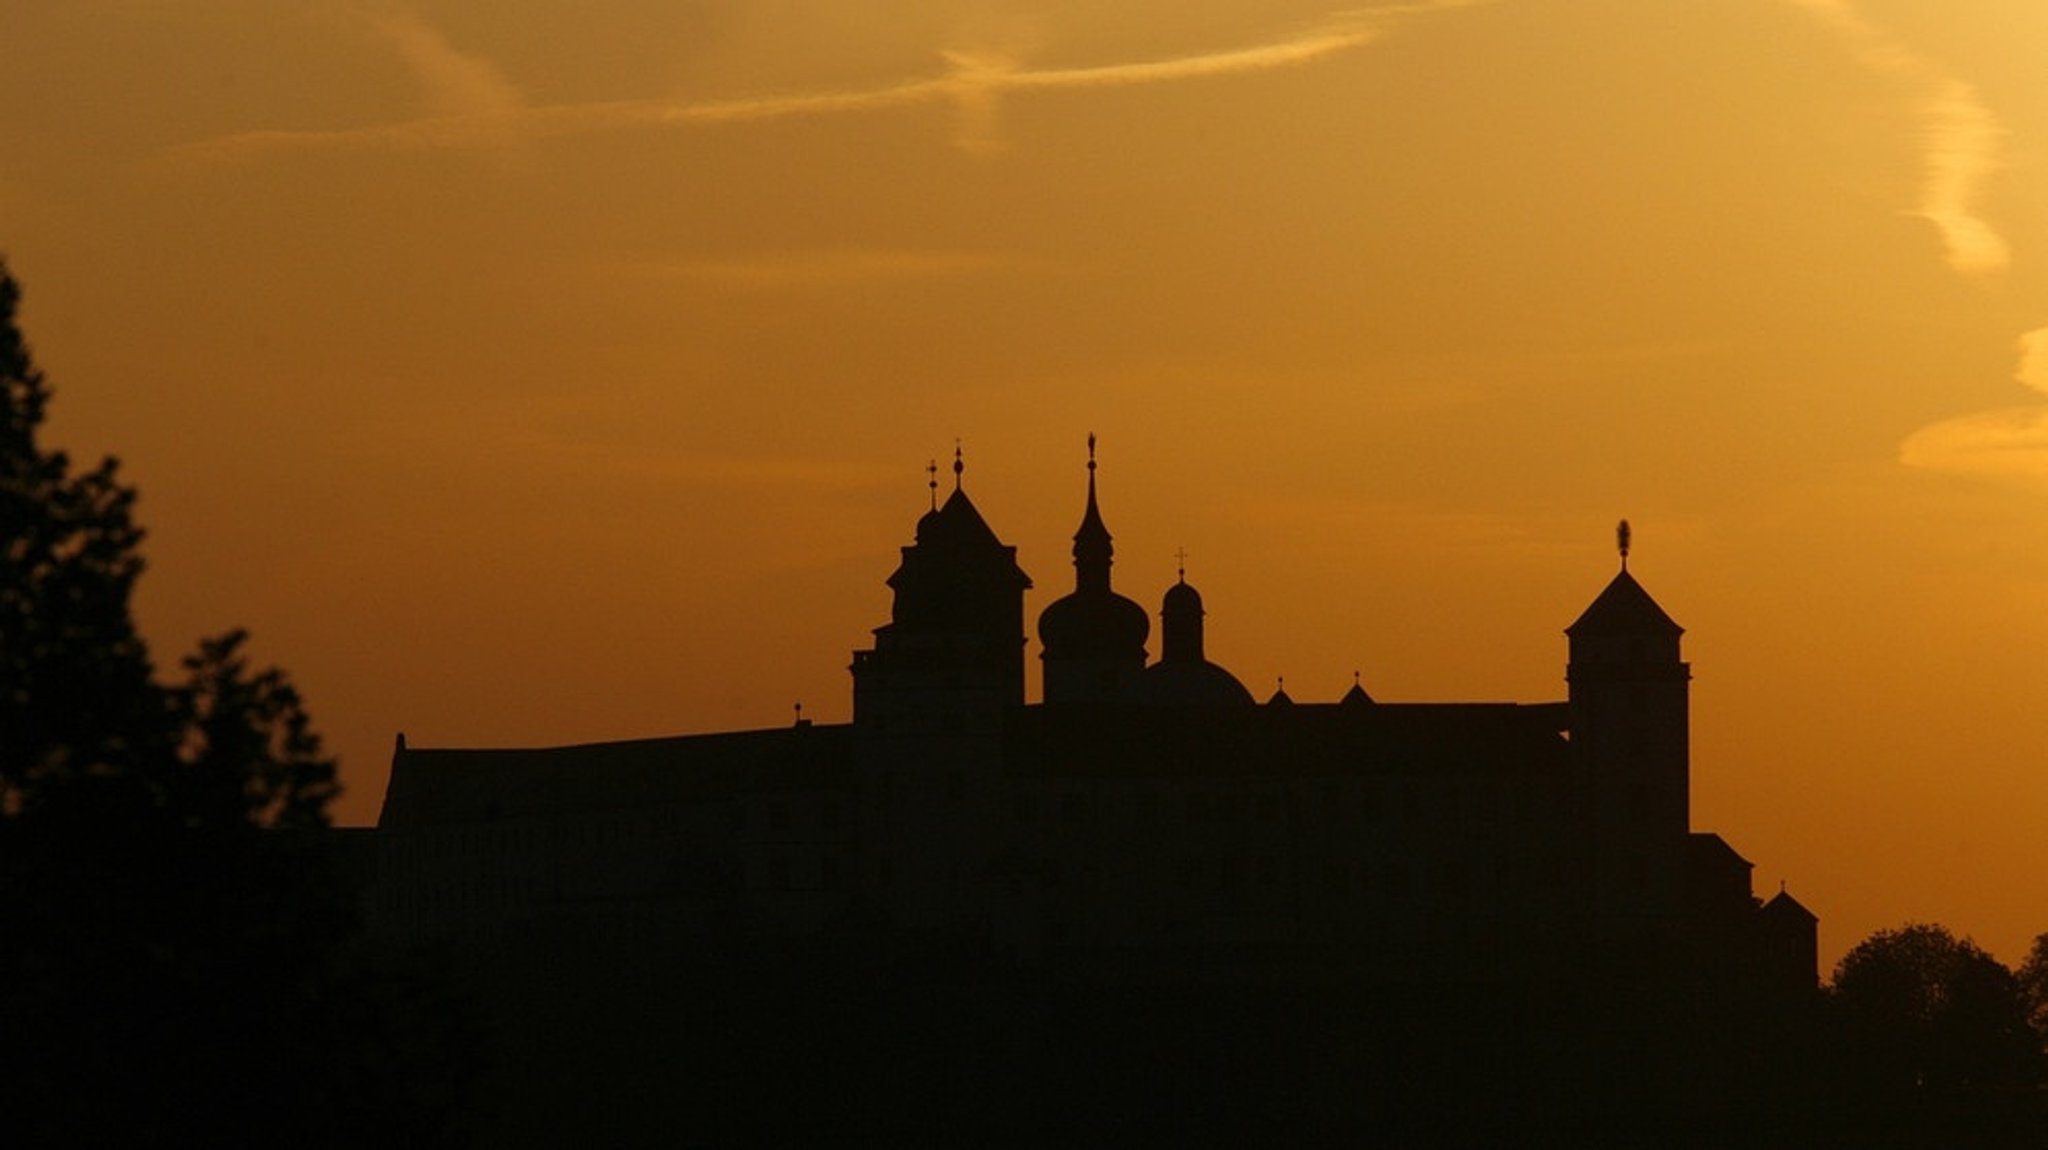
x=556 y=372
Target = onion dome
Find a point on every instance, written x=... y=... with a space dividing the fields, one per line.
x=1099 y=625
x=1094 y=638
x=1183 y=677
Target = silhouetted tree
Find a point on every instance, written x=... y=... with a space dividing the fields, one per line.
x=76 y=698
x=2033 y=976
x=1927 y=1012
x=80 y=710
x=174 y=943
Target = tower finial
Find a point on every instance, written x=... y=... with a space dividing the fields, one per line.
x=1180 y=556
x=931 y=471
x=1091 y=451
x=1621 y=538
x=959 y=465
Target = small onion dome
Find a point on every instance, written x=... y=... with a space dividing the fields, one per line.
x=1181 y=598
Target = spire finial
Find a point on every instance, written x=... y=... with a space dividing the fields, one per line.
x=1091 y=451
x=1354 y=679
x=1180 y=556
x=959 y=465
x=931 y=471
x=1621 y=538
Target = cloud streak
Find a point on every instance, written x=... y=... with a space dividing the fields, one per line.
x=2010 y=444
x=1961 y=144
x=472 y=105
x=1960 y=139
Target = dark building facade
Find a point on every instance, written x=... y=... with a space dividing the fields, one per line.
x=1150 y=820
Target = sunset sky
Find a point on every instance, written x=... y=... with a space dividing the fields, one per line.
x=554 y=372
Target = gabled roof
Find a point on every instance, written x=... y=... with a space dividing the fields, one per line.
x=1783 y=905
x=1624 y=608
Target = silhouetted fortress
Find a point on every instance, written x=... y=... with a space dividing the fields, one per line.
x=1144 y=821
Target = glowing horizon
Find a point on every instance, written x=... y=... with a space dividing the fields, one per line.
x=570 y=374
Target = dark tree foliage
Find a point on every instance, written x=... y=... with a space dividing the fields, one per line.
x=177 y=964
x=248 y=752
x=1932 y=1014
x=2033 y=976
x=76 y=698
x=81 y=713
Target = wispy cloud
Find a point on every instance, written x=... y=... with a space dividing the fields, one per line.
x=472 y=105
x=1961 y=143
x=1960 y=138
x=457 y=84
x=2010 y=444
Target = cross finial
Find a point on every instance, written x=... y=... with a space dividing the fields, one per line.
x=1621 y=538
x=931 y=471
x=1180 y=556
x=959 y=465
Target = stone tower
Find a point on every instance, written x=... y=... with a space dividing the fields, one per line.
x=1630 y=737
x=953 y=649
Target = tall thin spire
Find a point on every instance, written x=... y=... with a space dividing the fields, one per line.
x=1093 y=550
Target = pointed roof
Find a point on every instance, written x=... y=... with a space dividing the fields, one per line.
x=1356 y=696
x=1783 y=905
x=1280 y=696
x=957 y=523
x=1624 y=608
x=953 y=543
x=1093 y=550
